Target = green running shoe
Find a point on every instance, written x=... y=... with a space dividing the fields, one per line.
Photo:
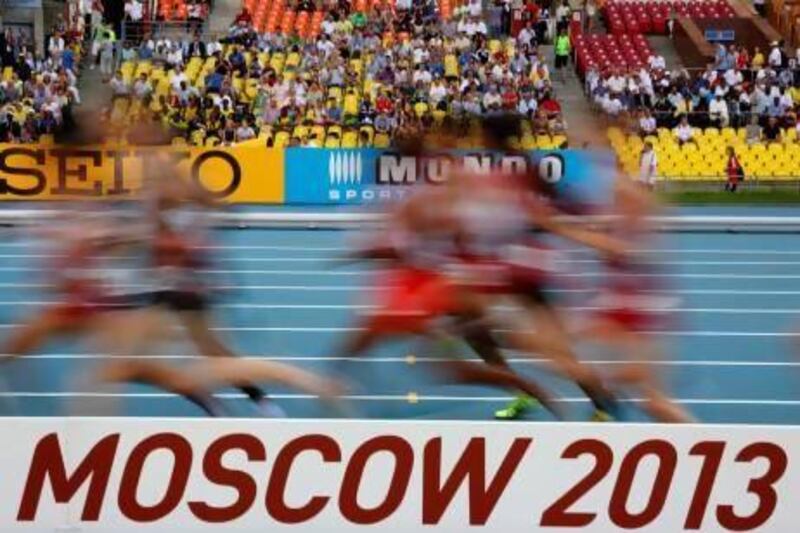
x=602 y=416
x=519 y=406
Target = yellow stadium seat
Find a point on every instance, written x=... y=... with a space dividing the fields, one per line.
x=318 y=132
x=350 y=139
x=370 y=133
x=293 y=60
x=351 y=103
x=335 y=93
x=382 y=140
x=281 y=139
x=528 y=142
x=301 y=132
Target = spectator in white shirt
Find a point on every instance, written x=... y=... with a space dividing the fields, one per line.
x=733 y=77
x=647 y=123
x=786 y=100
x=657 y=62
x=616 y=83
x=525 y=35
x=612 y=105
x=437 y=92
x=213 y=47
x=683 y=131
x=56 y=46
x=328 y=26
x=118 y=85
x=142 y=88
x=718 y=112
x=774 y=58
x=475 y=8
x=244 y=132
x=177 y=77
x=133 y=10
x=175 y=56
x=648 y=165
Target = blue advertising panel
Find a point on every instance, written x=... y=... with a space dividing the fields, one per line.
x=363 y=176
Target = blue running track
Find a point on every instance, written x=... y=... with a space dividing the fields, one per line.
x=731 y=349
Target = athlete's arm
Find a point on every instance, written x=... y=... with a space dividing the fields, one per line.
x=544 y=217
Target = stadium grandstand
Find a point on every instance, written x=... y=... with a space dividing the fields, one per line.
x=337 y=76
x=340 y=74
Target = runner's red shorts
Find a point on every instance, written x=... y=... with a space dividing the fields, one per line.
x=413 y=297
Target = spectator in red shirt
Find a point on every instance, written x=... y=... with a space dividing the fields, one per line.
x=532 y=9
x=510 y=99
x=549 y=105
x=243 y=18
x=383 y=104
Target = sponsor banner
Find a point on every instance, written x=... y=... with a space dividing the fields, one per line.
x=362 y=176
x=135 y=475
x=235 y=175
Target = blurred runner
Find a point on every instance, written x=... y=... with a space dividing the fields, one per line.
x=83 y=288
x=500 y=257
x=178 y=251
x=632 y=301
x=420 y=299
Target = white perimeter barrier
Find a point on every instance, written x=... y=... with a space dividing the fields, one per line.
x=310 y=220
x=176 y=475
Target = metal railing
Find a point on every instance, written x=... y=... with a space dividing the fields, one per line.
x=135 y=32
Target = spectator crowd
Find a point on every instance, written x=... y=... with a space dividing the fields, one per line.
x=737 y=90
x=38 y=91
x=367 y=77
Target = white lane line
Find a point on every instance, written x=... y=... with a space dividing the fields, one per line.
x=406 y=398
x=344 y=273
x=507 y=309
x=294 y=248
x=331 y=261
x=416 y=359
x=336 y=329
x=12 y=285
x=354 y=288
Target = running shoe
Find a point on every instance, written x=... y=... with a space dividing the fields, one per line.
x=519 y=406
x=602 y=416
